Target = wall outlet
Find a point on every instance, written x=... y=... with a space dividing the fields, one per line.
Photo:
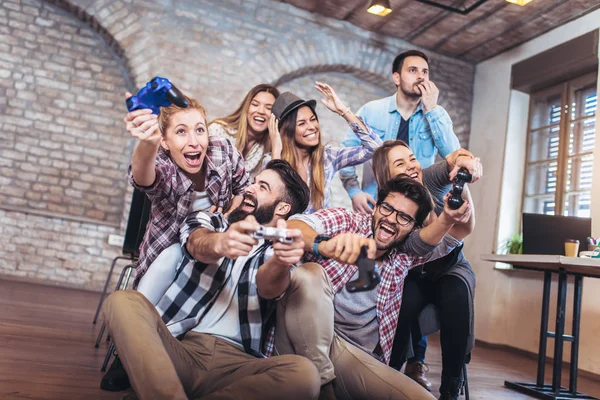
x=116 y=240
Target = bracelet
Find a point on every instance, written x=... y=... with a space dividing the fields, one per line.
x=315 y=247
x=345 y=112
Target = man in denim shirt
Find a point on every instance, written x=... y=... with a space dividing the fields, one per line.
x=411 y=114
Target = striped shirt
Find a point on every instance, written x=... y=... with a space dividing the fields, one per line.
x=197 y=287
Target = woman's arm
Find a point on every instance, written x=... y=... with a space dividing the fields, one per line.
x=143 y=125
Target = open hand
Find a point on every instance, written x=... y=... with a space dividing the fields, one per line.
x=331 y=100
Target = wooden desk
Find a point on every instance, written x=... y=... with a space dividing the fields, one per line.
x=563 y=266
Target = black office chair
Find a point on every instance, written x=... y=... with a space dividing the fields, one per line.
x=139 y=215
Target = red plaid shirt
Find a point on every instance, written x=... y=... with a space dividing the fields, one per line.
x=393 y=268
x=171 y=196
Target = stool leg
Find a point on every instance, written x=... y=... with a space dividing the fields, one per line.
x=110 y=271
x=129 y=269
x=109 y=353
x=101 y=333
x=465 y=382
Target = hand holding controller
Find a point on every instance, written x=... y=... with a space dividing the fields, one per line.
x=463 y=176
x=272 y=234
x=368 y=277
x=157 y=93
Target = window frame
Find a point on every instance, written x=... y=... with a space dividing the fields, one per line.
x=567 y=91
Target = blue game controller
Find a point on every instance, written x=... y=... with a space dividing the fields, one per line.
x=157 y=93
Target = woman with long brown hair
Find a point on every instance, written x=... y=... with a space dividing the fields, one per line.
x=295 y=121
x=247 y=127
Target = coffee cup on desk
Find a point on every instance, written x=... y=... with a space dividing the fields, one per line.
x=571 y=247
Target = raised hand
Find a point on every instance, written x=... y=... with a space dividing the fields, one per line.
x=142 y=125
x=458 y=216
x=429 y=95
x=275 y=137
x=331 y=100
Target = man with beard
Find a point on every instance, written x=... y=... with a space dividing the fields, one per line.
x=350 y=337
x=220 y=306
x=411 y=115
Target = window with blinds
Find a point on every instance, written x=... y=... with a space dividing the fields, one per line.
x=561 y=137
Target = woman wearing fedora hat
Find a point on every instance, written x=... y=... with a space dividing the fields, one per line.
x=295 y=121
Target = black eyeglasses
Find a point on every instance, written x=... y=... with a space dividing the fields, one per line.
x=401 y=217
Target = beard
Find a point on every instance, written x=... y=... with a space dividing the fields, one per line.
x=263 y=214
x=393 y=244
x=410 y=91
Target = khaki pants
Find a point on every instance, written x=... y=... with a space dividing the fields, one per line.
x=305 y=327
x=201 y=365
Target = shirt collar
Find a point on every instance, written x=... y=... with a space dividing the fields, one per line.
x=393 y=108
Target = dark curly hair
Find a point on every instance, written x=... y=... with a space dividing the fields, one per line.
x=296 y=194
x=411 y=189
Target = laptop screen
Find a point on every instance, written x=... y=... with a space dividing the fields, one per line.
x=546 y=234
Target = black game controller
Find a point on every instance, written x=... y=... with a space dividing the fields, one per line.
x=368 y=277
x=157 y=93
x=462 y=176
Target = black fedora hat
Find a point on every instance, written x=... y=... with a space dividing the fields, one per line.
x=288 y=102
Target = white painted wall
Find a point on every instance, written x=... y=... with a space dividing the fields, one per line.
x=508 y=303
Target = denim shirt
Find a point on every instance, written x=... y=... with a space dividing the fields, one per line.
x=428 y=133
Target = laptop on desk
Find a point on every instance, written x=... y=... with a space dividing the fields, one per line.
x=546 y=234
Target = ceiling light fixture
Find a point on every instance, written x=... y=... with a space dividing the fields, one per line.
x=520 y=2
x=463 y=6
x=380 y=7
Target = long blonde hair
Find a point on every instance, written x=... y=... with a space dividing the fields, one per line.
x=288 y=153
x=239 y=119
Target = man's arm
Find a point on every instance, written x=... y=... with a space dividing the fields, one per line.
x=273 y=277
x=343 y=247
x=206 y=245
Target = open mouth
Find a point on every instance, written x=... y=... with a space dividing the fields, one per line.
x=310 y=136
x=386 y=231
x=414 y=175
x=248 y=202
x=193 y=159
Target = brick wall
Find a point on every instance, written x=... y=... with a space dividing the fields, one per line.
x=64 y=65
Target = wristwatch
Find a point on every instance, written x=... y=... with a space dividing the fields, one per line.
x=319 y=239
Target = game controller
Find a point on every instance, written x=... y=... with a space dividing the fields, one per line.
x=157 y=93
x=272 y=234
x=462 y=176
x=368 y=277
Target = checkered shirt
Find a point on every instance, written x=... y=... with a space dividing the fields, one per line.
x=171 y=196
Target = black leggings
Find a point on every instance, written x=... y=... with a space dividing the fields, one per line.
x=451 y=296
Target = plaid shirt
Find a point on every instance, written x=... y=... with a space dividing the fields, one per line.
x=197 y=286
x=171 y=196
x=393 y=268
x=336 y=158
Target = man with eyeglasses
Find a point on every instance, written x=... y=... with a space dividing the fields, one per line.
x=349 y=336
